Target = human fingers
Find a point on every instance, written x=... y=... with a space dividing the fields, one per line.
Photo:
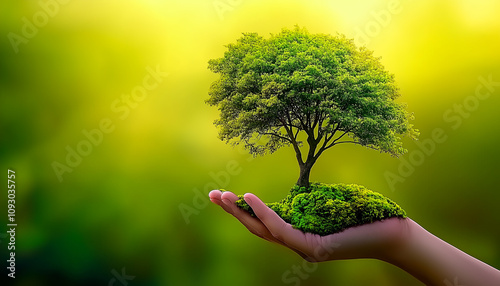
x=282 y=231
x=216 y=198
x=253 y=224
x=226 y=200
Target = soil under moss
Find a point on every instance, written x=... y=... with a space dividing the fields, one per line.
x=325 y=209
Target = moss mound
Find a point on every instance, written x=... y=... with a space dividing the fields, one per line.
x=325 y=209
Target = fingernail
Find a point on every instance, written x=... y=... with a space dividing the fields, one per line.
x=247 y=199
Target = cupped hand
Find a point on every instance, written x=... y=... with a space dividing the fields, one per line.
x=373 y=240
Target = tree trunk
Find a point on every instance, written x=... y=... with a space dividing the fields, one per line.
x=305 y=170
x=305 y=167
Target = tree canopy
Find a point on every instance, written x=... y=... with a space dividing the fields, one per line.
x=271 y=90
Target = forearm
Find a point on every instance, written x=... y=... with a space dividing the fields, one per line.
x=435 y=262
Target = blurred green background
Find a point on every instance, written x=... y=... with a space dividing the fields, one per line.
x=65 y=67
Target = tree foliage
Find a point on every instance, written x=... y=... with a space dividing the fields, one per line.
x=271 y=90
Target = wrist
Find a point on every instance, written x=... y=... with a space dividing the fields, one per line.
x=434 y=261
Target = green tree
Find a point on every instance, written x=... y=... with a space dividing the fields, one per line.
x=271 y=91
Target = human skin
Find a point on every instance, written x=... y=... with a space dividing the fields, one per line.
x=401 y=242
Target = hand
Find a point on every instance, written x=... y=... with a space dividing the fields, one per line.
x=401 y=242
x=374 y=240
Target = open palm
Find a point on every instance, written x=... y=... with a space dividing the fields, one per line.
x=372 y=240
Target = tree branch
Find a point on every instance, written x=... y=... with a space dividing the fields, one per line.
x=279 y=136
x=304 y=127
x=327 y=139
x=317 y=116
x=295 y=145
x=320 y=130
x=330 y=136
x=338 y=138
x=308 y=119
x=353 y=142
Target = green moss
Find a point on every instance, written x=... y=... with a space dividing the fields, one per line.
x=325 y=209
